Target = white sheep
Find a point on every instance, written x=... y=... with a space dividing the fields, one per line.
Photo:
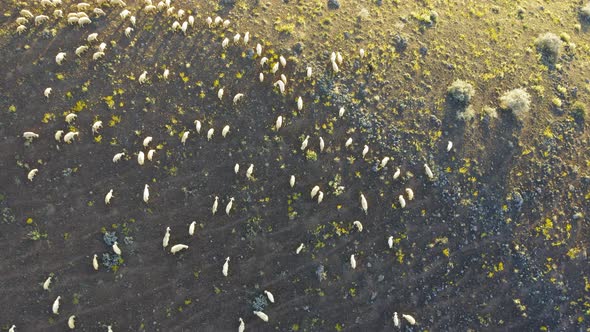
x=428 y=171
x=225 y=268
x=80 y=50
x=410 y=319
x=250 y=171
x=184 y=137
x=40 y=19
x=395 y=320
x=220 y=93
x=166 y=238
x=99 y=12
x=320 y=197
x=128 y=32
x=118 y=156
x=281 y=86
x=83 y=21
x=410 y=193
x=397 y=173
x=384 y=162
x=279 y=122
x=402 y=201
x=237 y=37
x=12 y=328
x=304 y=143
x=261 y=315
x=261 y=77
x=146 y=193
x=47 y=283
x=198 y=126
x=358 y=225
x=229 y=205
x=210 y=134
x=146 y=141
x=21 y=20
x=362 y=52
x=238 y=97
x=352 y=262
x=191 y=228
x=348 y=142
x=143 y=77
x=292 y=181
x=116 y=248
x=20 y=29
x=150 y=154
x=236 y=168
x=58 y=13
x=55 y=306
x=32 y=174
x=275 y=68
x=298 y=250
x=166 y=74
x=322 y=144
x=97 y=55
x=96 y=126
x=246 y=37
x=308 y=72
x=108 y=196
x=364 y=204
x=365 y=150
x=58 y=135
x=133 y=20
x=124 y=13
x=224 y=131
x=72 y=322
x=242 y=326
x=258 y=49
x=69 y=137
x=71 y=117
x=47 y=92
x=92 y=37
x=335 y=67
x=29 y=135
x=214 y=207
x=95 y=262
x=178 y=247
x=390 y=242
x=225 y=43
x=270 y=297
x=140 y=158
x=26 y=13
x=299 y=103
x=314 y=191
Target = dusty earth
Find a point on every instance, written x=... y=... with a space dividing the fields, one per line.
x=496 y=241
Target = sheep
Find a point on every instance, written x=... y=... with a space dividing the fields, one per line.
x=284 y=79
x=397 y=173
x=97 y=55
x=322 y=144
x=335 y=67
x=390 y=242
x=29 y=135
x=72 y=322
x=261 y=315
x=55 y=306
x=300 y=103
x=47 y=283
x=12 y=328
x=40 y=19
x=304 y=143
x=333 y=57
x=184 y=27
x=120 y=3
x=249 y=172
x=69 y=137
x=218 y=20
x=214 y=207
x=352 y=262
x=102 y=47
x=308 y=72
x=395 y=320
x=348 y=142
x=26 y=13
x=180 y=14
x=279 y=122
x=21 y=20
x=402 y=201
x=166 y=238
x=224 y=131
x=80 y=50
x=364 y=204
x=292 y=181
x=166 y=74
x=220 y=93
x=191 y=20
x=128 y=32
x=242 y=326
x=225 y=43
x=246 y=37
x=150 y=154
x=59 y=58
x=150 y=9
x=184 y=137
x=362 y=52
x=449 y=146
x=236 y=168
x=108 y=197
x=229 y=205
x=58 y=13
x=133 y=20
x=92 y=37
x=238 y=97
x=210 y=134
x=96 y=126
x=341 y=112
x=58 y=134
x=32 y=174
x=209 y=21
x=271 y=297
x=109 y=328
x=298 y=250
x=365 y=150
x=339 y=58
x=20 y=29
x=178 y=247
x=428 y=171
x=384 y=162
x=73 y=20
x=124 y=13
x=71 y=117
x=258 y=49
x=358 y=225
x=191 y=228
x=237 y=37
x=283 y=61
x=275 y=68
x=143 y=77
x=226 y=23
x=320 y=197
x=281 y=86
x=146 y=193
x=225 y=268
x=147 y=141
x=198 y=126
x=410 y=319
x=140 y=158
x=261 y=77
x=410 y=193
x=83 y=6
x=314 y=191
x=95 y=262
x=116 y=248
x=118 y=157
x=99 y=12
x=83 y=21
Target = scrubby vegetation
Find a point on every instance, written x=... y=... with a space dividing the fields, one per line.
x=517 y=100
x=461 y=92
x=549 y=45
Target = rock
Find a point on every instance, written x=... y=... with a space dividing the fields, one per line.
x=227 y=2
x=333 y=4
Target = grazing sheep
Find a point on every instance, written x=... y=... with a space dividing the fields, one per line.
x=55 y=306
x=215 y=203
x=32 y=174
x=146 y=193
x=191 y=228
x=271 y=297
x=225 y=268
x=116 y=248
x=107 y=198
x=261 y=315
x=166 y=238
x=95 y=262
x=178 y=247
x=229 y=205
x=47 y=283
